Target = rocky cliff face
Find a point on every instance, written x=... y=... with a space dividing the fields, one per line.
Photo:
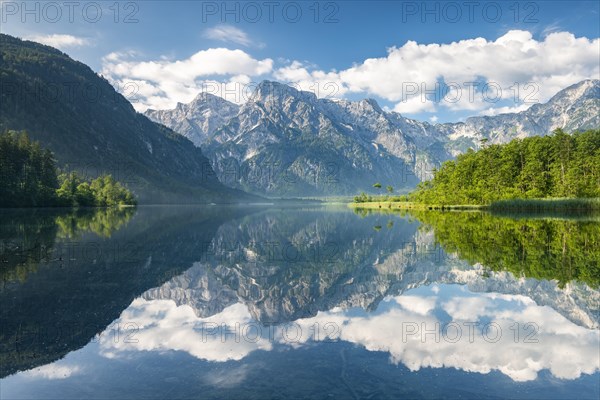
x=197 y=120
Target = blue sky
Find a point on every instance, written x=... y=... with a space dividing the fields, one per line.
x=159 y=52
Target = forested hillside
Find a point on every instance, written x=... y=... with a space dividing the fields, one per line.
x=555 y=166
x=94 y=130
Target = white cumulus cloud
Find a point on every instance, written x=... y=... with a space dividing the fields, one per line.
x=407 y=73
x=164 y=82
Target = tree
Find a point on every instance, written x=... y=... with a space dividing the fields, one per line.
x=67 y=192
x=362 y=198
x=390 y=189
x=27 y=172
x=85 y=196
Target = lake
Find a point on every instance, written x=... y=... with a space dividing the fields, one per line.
x=298 y=302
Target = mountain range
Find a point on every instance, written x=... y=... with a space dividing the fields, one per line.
x=287 y=142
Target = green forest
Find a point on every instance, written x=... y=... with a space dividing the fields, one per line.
x=555 y=166
x=30 y=178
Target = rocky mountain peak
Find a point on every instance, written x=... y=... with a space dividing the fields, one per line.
x=572 y=95
x=275 y=92
x=204 y=98
x=372 y=103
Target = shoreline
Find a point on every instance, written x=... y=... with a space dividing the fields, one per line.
x=515 y=205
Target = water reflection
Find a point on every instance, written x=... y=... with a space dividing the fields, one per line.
x=28 y=237
x=102 y=222
x=210 y=296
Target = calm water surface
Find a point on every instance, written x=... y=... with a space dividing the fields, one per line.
x=226 y=302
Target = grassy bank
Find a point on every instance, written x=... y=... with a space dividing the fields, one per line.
x=406 y=205
x=516 y=205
